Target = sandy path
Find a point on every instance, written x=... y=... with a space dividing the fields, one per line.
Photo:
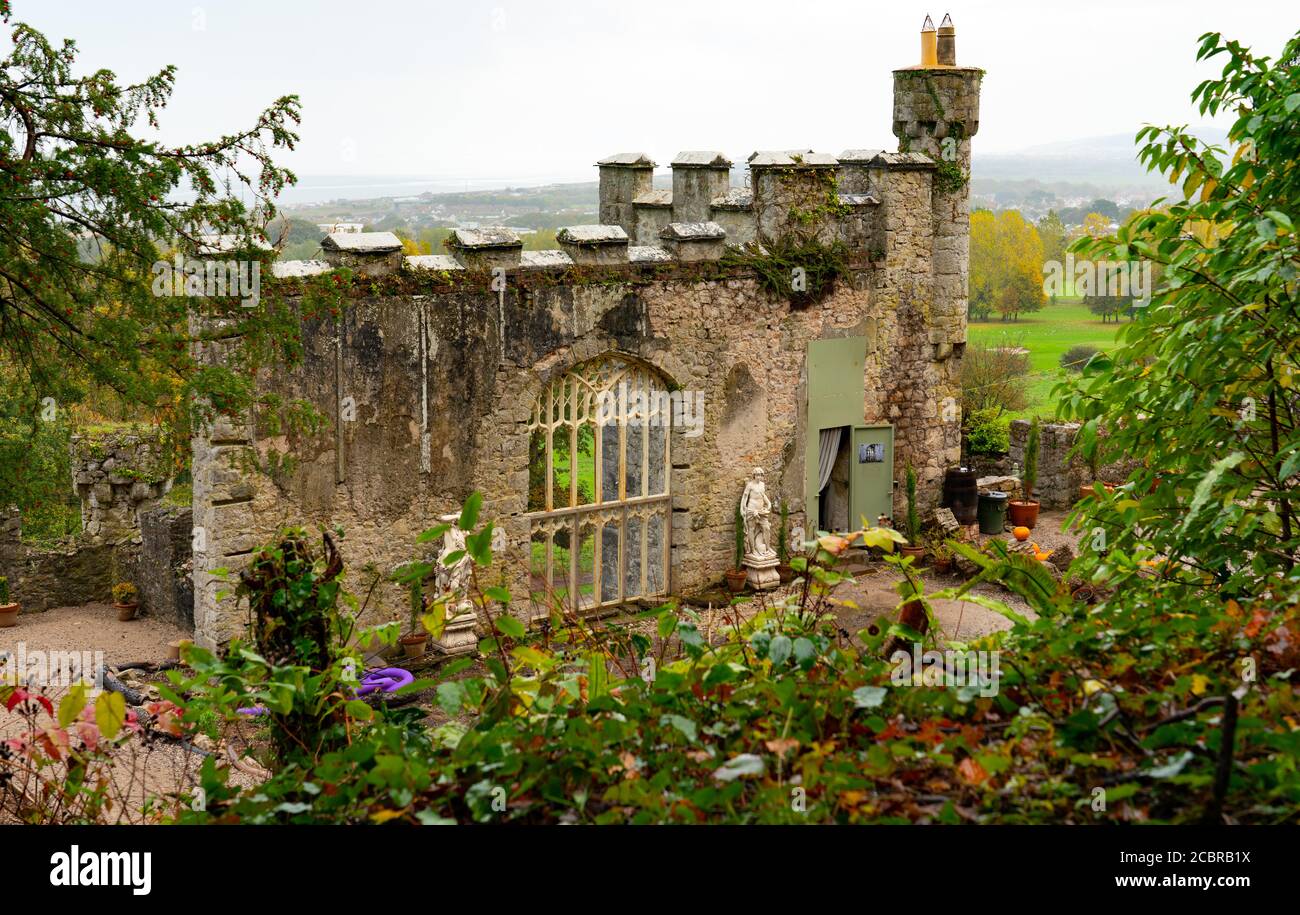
x=140 y=772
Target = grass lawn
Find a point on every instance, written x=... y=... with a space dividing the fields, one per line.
x=1046 y=334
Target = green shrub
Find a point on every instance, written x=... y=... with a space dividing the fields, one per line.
x=986 y=432
x=1077 y=356
x=650 y=722
x=1031 y=458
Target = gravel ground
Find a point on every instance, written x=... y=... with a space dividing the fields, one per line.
x=960 y=620
x=161 y=770
x=93 y=627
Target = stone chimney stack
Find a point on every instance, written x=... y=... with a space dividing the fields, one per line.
x=623 y=177
x=936 y=104
x=936 y=112
x=699 y=176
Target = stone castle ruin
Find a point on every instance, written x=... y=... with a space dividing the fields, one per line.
x=556 y=382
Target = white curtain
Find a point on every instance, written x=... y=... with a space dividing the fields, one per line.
x=829 y=447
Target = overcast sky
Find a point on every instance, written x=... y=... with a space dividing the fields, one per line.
x=529 y=89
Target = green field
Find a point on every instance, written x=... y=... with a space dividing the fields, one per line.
x=1046 y=334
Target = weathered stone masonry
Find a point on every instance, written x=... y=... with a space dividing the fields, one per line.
x=431 y=374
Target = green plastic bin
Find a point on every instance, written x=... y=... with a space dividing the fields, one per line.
x=992 y=512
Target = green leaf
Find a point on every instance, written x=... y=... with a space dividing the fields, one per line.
x=805 y=653
x=780 y=649
x=359 y=710
x=740 y=766
x=72 y=704
x=469 y=513
x=110 y=713
x=685 y=725
x=1207 y=483
x=510 y=626
x=450 y=696
x=433 y=533
x=597 y=676
x=479 y=545
x=1171 y=768
x=869 y=696
x=498 y=594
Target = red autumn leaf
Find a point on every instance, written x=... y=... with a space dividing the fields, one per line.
x=1257 y=621
x=971 y=771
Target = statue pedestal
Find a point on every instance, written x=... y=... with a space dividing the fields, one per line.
x=763 y=575
x=458 y=635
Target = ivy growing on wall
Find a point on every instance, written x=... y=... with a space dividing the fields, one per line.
x=948 y=177
x=803 y=270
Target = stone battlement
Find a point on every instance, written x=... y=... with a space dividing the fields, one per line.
x=842 y=198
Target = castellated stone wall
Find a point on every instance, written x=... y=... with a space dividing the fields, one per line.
x=430 y=374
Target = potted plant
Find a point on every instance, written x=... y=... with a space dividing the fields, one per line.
x=914 y=547
x=942 y=555
x=125 y=601
x=1087 y=490
x=8 y=610
x=736 y=575
x=417 y=637
x=1024 y=511
x=783 y=567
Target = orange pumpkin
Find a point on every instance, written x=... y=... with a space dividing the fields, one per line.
x=1021 y=533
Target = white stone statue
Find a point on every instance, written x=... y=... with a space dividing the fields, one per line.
x=454 y=579
x=458 y=634
x=755 y=507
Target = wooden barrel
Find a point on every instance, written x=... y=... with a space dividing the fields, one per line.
x=961 y=494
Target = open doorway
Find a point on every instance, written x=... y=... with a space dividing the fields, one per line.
x=833 y=467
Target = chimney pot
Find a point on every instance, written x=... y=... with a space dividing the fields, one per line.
x=929 y=44
x=946 y=49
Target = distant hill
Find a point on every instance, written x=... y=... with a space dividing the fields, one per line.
x=1109 y=162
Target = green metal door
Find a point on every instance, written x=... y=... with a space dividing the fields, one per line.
x=871 y=474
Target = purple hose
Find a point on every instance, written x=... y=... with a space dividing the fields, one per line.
x=383 y=680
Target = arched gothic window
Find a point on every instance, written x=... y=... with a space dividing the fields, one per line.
x=598 y=485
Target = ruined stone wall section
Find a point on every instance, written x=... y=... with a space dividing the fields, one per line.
x=225 y=524
x=430 y=395
x=77 y=571
x=117 y=476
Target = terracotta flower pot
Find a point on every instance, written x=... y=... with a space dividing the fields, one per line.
x=1023 y=513
x=786 y=571
x=1088 y=490
x=916 y=552
x=413 y=645
x=736 y=579
x=9 y=615
x=943 y=566
x=126 y=612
